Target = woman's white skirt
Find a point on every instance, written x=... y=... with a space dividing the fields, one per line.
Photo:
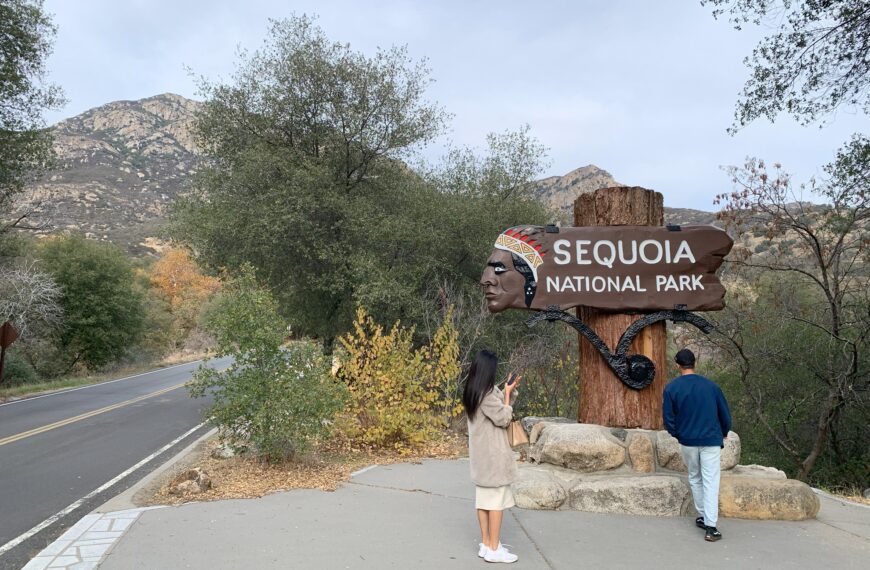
x=494 y=498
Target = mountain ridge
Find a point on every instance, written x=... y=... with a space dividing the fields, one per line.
x=120 y=165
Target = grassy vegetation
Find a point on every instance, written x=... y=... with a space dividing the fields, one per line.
x=26 y=390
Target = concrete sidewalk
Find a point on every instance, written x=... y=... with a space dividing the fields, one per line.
x=422 y=516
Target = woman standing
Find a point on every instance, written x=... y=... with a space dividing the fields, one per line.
x=493 y=467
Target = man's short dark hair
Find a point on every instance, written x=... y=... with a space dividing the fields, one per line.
x=685 y=358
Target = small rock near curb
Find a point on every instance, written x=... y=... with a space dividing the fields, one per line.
x=191 y=482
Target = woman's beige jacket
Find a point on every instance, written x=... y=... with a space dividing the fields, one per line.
x=491 y=457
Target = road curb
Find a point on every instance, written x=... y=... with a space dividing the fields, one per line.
x=124 y=501
x=838 y=499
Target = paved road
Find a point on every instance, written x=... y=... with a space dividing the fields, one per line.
x=59 y=448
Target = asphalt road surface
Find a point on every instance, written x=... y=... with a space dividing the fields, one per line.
x=64 y=453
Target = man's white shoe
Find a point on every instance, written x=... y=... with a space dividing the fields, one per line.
x=499 y=555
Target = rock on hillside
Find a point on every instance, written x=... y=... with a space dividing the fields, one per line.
x=561 y=191
x=118 y=167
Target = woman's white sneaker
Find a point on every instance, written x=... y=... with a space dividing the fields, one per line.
x=499 y=555
x=481 y=552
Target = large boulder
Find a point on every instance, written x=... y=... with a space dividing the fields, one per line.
x=766 y=498
x=757 y=471
x=581 y=447
x=731 y=452
x=641 y=454
x=668 y=452
x=530 y=421
x=535 y=488
x=634 y=495
x=536 y=425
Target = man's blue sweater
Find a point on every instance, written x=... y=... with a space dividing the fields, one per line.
x=695 y=411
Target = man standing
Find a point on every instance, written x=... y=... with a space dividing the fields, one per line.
x=696 y=413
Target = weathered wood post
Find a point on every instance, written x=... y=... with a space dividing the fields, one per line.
x=604 y=400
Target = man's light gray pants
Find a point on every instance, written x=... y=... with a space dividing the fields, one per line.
x=703 y=465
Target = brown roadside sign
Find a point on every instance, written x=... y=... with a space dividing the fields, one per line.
x=8 y=334
x=618 y=268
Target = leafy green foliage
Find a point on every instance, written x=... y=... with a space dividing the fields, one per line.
x=280 y=398
x=815 y=61
x=308 y=184
x=16 y=369
x=26 y=32
x=103 y=313
x=774 y=378
x=795 y=334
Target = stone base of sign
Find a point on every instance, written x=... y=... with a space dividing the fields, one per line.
x=593 y=468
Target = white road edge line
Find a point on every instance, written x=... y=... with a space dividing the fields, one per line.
x=59 y=392
x=52 y=519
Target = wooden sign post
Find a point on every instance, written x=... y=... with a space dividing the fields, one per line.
x=603 y=400
x=8 y=335
x=619 y=264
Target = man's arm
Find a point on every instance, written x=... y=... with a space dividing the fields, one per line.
x=724 y=413
x=668 y=414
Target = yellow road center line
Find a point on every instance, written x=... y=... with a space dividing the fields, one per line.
x=86 y=415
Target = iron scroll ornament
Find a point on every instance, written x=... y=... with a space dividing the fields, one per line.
x=636 y=370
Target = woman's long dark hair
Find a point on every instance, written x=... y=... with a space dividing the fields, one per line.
x=481 y=379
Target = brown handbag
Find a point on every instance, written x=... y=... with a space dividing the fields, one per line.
x=516 y=434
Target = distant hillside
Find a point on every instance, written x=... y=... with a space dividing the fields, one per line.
x=560 y=192
x=118 y=167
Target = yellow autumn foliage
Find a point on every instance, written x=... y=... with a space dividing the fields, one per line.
x=400 y=396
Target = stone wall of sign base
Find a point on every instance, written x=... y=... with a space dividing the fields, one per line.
x=586 y=467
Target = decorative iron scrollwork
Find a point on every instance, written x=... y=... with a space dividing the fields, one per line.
x=636 y=370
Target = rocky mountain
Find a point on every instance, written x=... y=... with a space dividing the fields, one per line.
x=118 y=168
x=561 y=191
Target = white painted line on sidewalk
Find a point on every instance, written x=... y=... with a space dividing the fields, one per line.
x=87 y=542
x=59 y=392
x=52 y=519
x=363 y=470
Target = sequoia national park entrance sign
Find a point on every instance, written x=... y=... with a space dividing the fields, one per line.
x=619 y=259
x=617 y=268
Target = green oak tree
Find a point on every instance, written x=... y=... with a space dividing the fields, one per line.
x=308 y=180
x=102 y=308
x=26 y=35
x=814 y=62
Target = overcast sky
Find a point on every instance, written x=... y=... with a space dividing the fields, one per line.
x=644 y=90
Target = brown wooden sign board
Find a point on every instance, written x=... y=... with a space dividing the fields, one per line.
x=8 y=334
x=616 y=268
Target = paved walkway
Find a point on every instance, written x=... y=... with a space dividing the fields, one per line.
x=422 y=516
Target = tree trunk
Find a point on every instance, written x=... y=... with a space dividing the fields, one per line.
x=822 y=429
x=604 y=399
